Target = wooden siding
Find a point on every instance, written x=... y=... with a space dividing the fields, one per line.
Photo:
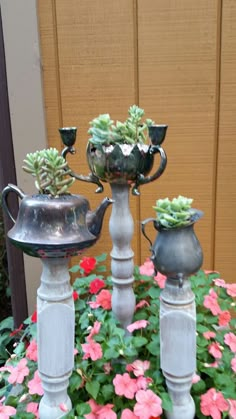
x=176 y=60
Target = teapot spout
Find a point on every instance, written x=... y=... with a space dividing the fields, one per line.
x=94 y=219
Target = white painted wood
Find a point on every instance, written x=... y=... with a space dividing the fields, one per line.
x=178 y=345
x=121 y=229
x=56 y=321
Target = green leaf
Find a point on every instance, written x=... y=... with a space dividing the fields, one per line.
x=101 y=257
x=139 y=341
x=166 y=401
x=153 y=348
x=101 y=268
x=199 y=388
x=19 y=348
x=107 y=391
x=83 y=409
x=74 y=268
x=111 y=353
x=75 y=381
x=92 y=388
x=7 y=324
x=154 y=292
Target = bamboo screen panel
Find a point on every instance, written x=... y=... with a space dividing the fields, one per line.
x=176 y=59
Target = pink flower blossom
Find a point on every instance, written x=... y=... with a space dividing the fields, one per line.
x=212 y=365
x=94 y=409
x=231 y=290
x=106 y=412
x=88 y=264
x=104 y=299
x=210 y=301
x=92 y=350
x=19 y=372
x=93 y=304
x=209 y=335
x=142 y=304
x=160 y=279
x=224 y=318
x=219 y=282
x=138 y=367
x=139 y=324
x=214 y=350
x=233 y=364
x=128 y=414
x=94 y=330
x=232 y=408
x=32 y=351
x=35 y=385
x=143 y=382
x=207 y=272
x=196 y=378
x=213 y=403
x=148 y=404
x=75 y=295
x=147 y=268
x=125 y=386
x=230 y=340
x=6 y=411
x=33 y=407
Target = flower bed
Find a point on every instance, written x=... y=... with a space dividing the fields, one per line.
x=118 y=376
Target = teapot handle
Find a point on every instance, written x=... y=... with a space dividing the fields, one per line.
x=143 y=225
x=5 y=192
x=141 y=180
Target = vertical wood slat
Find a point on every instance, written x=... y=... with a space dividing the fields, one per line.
x=8 y=175
x=177 y=69
x=225 y=247
x=97 y=75
x=50 y=69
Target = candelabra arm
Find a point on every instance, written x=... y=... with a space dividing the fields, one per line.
x=91 y=178
x=141 y=179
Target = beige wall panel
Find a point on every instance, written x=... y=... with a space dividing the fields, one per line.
x=225 y=247
x=49 y=58
x=97 y=75
x=177 y=86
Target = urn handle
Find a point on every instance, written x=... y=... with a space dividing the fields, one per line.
x=143 y=226
x=5 y=193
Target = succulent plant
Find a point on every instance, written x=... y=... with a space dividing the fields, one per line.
x=132 y=131
x=50 y=170
x=175 y=213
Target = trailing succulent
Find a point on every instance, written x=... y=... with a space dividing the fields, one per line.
x=133 y=130
x=50 y=170
x=175 y=213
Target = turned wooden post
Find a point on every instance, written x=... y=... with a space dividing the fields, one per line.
x=56 y=322
x=121 y=228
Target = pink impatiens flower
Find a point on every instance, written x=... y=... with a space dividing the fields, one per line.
x=213 y=403
x=139 y=324
x=128 y=414
x=209 y=335
x=160 y=279
x=224 y=318
x=219 y=282
x=232 y=408
x=19 y=372
x=230 y=340
x=196 y=378
x=210 y=301
x=104 y=299
x=142 y=304
x=33 y=407
x=106 y=412
x=214 y=350
x=94 y=330
x=148 y=404
x=233 y=364
x=6 y=411
x=138 y=367
x=231 y=290
x=94 y=409
x=125 y=386
x=32 y=351
x=96 y=285
x=92 y=350
x=147 y=268
x=35 y=385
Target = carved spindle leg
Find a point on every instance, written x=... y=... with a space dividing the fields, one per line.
x=178 y=345
x=121 y=230
x=56 y=322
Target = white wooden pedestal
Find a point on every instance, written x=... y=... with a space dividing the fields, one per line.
x=178 y=345
x=56 y=321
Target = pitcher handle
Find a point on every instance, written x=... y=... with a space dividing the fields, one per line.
x=143 y=225
x=141 y=180
x=5 y=193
